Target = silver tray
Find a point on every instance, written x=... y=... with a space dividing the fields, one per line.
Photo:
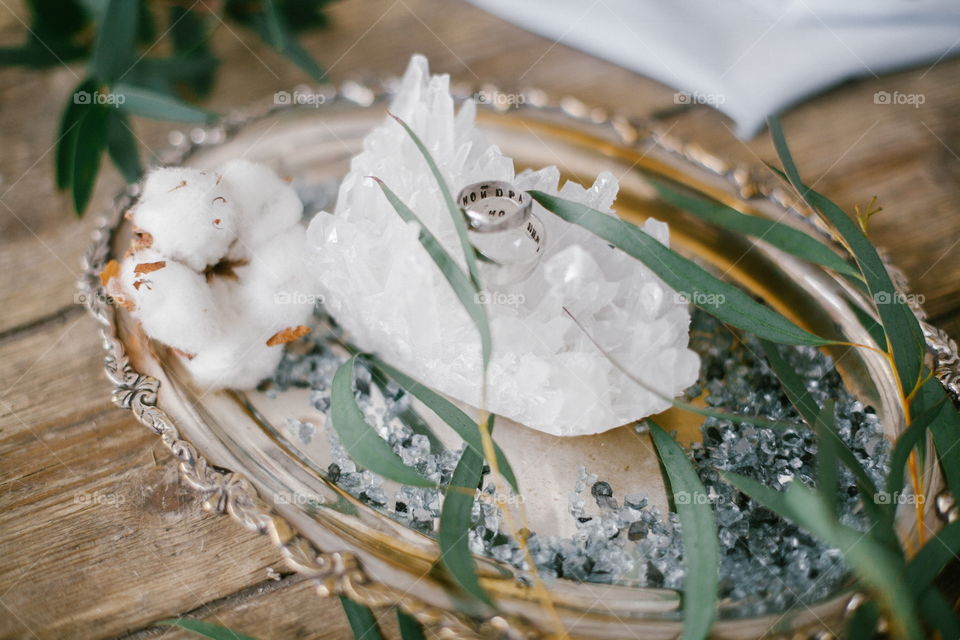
x=232 y=453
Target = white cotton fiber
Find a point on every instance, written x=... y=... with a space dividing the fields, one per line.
x=238 y=362
x=218 y=270
x=275 y=287
x=189 y=214
x=171 y=301
x=268 y=205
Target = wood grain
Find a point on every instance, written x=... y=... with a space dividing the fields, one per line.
x=98 y=538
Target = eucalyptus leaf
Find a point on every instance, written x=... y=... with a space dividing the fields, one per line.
x=868 y=322
x=701 y=551
x=69 y=130
x=144 y=102
x=458 y=222
x=862 y=625
x=876 y=565
x=89 y=144
x=939 y=614
x=408 y=415
x=945 y=428
x=362 y=441
x=826 y=469
x=190 y=37
x=113 y=52
x=793 y=385
x=911 y=439
x=684 y=276
x=362 y=622
x=466 y=291
x=934 y=557
x=780 y=235
x=122 y=147
x=206 y=629
x=464 y=425
x=806 y=406
x=832 y=450
x=899 y=322
x=455 y=520
x=35 y=55
x=410 y=629
x=271 y=25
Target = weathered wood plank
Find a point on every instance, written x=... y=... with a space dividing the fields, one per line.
x=99 y=536
x=288 y=608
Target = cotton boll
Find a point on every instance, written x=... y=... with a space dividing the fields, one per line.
x=170 y=300
x=267 y=205
x=275 y=288
x=239 y=362
x=189 y=215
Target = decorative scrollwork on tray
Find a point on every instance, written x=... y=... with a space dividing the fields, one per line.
x=224 y=491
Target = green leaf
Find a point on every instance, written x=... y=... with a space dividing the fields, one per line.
x=271 y=25
x=464 y=425
x=466 y=291
x=146 y=27
x=190 y=39
x=362 y=622
x=867 y=321
x=945 y=428
x=69 y=129
x=880 y=568
x=55 y=35
x=701 y=551
x=455 y=520
x=727 y=303
x=89 y=144
x=410 y=629
x=362 y=441
x=831 y=449
x=770 y=498
x=933 y=558
x=777 y=234
x=923 y=570
x=206 y=629
x=939 y=614
x=113 y=52
x=408 y=415
x=827 y=456
x=39 y=56
x=912 y=438
x=458 y=222
x=899 y=322
x=806 y=406
x=862 y=625
x=152 y=104
x=122 y=146
x=793 y=385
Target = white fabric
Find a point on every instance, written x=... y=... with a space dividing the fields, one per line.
x=748 y=58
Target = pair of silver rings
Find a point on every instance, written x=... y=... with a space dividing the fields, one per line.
x=508 y=238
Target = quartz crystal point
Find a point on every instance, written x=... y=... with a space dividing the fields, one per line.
x=381 y=285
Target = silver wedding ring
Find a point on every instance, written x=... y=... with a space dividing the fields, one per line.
x=494 y=206
x=502 y=228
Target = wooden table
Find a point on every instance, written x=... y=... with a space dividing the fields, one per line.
x=99 y=538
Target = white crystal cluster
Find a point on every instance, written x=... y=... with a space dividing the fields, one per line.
x=381 y=285
x=216 y=269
